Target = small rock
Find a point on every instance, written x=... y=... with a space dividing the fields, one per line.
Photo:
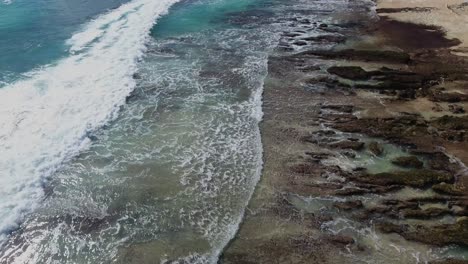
x=349 y=154
x=456 y=109
x=292 y=34
x=342 y=239
x=406 y=94
x=136 y=76
x=300 y=43
x=375 y=148
x=437 y=108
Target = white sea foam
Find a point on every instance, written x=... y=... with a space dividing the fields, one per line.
x=45 y=119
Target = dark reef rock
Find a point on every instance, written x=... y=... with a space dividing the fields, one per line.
x=451 y=122
x=456 y=109
x=439 y=235
x=360 y=55
x=405 y=9
x=425 y=214
x=348 y=144
x=449 y=261
x=341 y=239
x=454 y=97
x=349 y=72
x=348 y=205
x=375 y=148
x=351 y=191
x=326 y=38
x=445 y=188
x=408 y=162
x=414 y=178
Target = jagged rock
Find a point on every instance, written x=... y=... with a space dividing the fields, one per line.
x=292 y=34
x=349 y=72
x=455 y=97
x=445 y=188
x=348 y=144
x=424 y=214
x=304 y=168
x=375 y=148
x=451 y=122
x=351 y=191
x=449 y=261
x=361 y=55
x=300 y=43
x=439 y=235
x=437 y=108
x=414 y=178
x=407 y=94
x=408 y=162
x=456 y=109
x=387 y=227
x=341 y=239
x=398 y=204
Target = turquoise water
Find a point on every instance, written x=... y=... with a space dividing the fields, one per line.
x=193 y=16
x=33 y=33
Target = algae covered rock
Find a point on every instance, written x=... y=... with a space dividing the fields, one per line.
x=360 y=55
x=408 y=162
x=446 y=188
x=424 y=214
x=449 y=261
x=415 y=178
x=348 y=144
x=439 y=235
x=375 y=148
x=451 y=122
x=349 y=72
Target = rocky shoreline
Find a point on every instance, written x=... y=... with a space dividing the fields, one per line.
x=365 y=139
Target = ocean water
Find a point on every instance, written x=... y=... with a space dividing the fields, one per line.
x=129 y=129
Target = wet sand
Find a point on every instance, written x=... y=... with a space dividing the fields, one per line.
x=365 y=140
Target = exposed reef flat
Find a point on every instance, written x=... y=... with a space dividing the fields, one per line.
x=365 y=139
